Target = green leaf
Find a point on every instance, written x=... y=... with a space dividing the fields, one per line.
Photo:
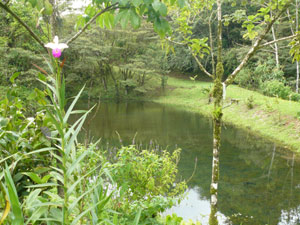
x=33 y=3
x=74 y=132
x=33 y=177
x=13 y=77
x=11 y=192
x=77 y=162
x=135 y=20
x=48 y=8
x=37 y=215
x=163 y=10
x=32 y=197
x=100 y=204
x=57 y=176
x=156 y=5
x=71 y=188
x=7 y=206
x=42 y=185
x=39 y=6
x=108 y=20
x=161 y=26
x=181 y=3
x=123 y=2
x=125 y=19
x=40 y=150
x=75 y=202
x=137 y=3
x=137 y=217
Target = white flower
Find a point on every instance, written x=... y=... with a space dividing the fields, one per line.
x=56 y=47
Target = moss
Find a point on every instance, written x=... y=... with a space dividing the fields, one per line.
x=213 y=220
x=217 y=92
x=220 y=70
x=216 y=172
x=217 y=113
x=213 y=191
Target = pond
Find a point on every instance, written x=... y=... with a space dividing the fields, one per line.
x=259 y=181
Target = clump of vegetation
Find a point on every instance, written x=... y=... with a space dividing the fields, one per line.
x=294 y=97
x=146 y=179
x=175 y=220
x=298 y=115
x=268 y=79
x=275 y=88
x=250 y=102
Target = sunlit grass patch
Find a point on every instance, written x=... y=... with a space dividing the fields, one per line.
x=273 y=118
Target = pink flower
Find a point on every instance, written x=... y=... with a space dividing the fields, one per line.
x=56 y=47
x=56 y=52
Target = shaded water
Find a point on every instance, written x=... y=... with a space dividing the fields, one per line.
x=259 y=182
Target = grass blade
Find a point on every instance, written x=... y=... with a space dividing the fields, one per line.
x=11 y=192
x=72 y=105
x=137 y=217
x=101 y=203
x=6 y=210
x=42 y=185
x=70 y=189
x=74 y=203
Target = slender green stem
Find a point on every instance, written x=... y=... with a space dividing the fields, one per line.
x=60 y=114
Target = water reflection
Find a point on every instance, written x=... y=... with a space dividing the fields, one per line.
x=195 y=208
x=259 y=182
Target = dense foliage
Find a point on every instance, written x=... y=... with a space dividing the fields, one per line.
x=47 y=175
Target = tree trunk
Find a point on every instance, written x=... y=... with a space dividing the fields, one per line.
x=276 y=47
x=211 y=44
x=297 y=63
x=104 y=83
x=217 y=120
x=297 y=79
x=275 y=44
x=213 y=220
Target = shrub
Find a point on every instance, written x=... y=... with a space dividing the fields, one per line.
x=275 y=88
x=146 y=180
x=250 y=102
x=245 y=79
x=147 y=173
x=263 y=72
x=176 y=220
x=295 y=97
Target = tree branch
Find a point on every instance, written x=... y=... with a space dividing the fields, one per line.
x=201 y=66
x=211 y=43
x=91 y=21
x=255 y=47
x=279 y=39
x=7 y=9
x=195 y=57
x=175 y=42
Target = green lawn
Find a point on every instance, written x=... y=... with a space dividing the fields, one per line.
x=272 y=118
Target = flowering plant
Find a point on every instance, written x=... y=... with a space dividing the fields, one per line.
x=56 y=47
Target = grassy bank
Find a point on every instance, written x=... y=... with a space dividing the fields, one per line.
x=271 y=118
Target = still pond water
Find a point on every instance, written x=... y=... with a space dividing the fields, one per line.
x=259 y=182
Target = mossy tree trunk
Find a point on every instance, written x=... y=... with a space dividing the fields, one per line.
x=217 y=120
